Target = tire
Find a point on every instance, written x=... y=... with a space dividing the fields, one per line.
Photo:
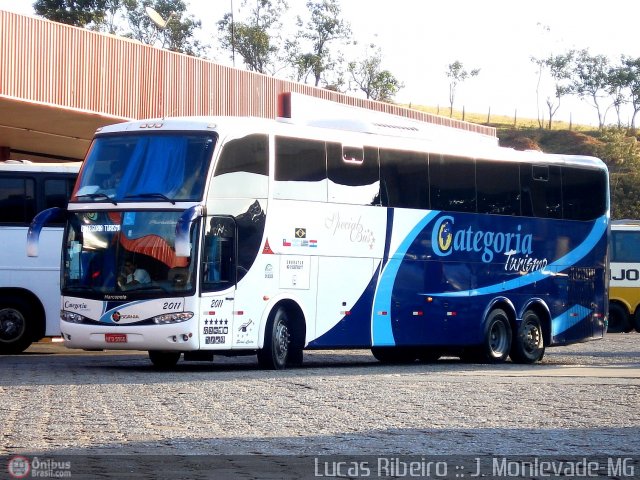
x=164 y=360
x=496 y=343
x=394 y=355
x=636 y=321
x=277 y=350
x=429 y=355
x=619 y=321
x=528 y=343
x=16 y=326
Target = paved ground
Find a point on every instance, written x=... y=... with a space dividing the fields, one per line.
x=581 y=400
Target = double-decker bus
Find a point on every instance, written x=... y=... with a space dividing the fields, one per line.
x=226 y=236
x=30 y=287
x=624 y=276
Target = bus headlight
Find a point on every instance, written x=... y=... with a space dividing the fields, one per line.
x=71 y=317
x=176 y=317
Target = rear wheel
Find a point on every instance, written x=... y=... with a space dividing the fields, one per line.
x=277 y=342
x=619 y=321
x=164 y=360
x=16 y=326
x=528 y=344
x=497 y=338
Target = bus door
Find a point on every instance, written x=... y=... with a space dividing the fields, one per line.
x=219 y=261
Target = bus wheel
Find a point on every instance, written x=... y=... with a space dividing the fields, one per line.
x=618 y=319
x=277 y=342
x=394 y=354
x=636 y=321
x=164 y=360
x=15 y=330
x=497 y=338
x=528 y=344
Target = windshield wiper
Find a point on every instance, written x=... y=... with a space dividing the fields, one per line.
x=152 y=195
x=95 y=196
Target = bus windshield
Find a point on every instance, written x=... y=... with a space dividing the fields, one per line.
x=145 y=167
x=113 y=252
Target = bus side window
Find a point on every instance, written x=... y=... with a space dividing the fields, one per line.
x=498 y=186
x=541 y=191
x=17 y=200
x=452 y=183
x=218 y=261
x=353 y=174
x=405 y=179
x=301 y=169
x=575 y=182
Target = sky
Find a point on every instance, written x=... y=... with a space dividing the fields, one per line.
x=420 y=38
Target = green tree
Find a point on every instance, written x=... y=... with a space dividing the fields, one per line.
x=176 y=35
x=255 y=40
x=324 y=28
x=371 y=79
x=591 y=82
x=632 y=68
x=457 y=74
x=79 y=13
x=558 y=69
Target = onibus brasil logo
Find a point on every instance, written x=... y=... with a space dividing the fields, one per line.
x=516 y=246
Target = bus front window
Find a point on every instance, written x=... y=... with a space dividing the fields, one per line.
x=111 y=252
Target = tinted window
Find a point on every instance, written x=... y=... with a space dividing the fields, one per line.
x=17 y=199
x=301 y=169
x=243 y=169
x=353 y=174
x=584 y=193
x=405 y=179
x=57 y=192
x=498 y=187
x=452 y=183
x=625 y=246
x=541 y=190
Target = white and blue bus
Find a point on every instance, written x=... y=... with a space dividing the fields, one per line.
x=230 y=235
x=30 y=287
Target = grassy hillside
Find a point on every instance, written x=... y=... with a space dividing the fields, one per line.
x=618 y=148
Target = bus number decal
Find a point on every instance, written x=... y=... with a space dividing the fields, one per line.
x=215 y=330
x=171 y=305
x=216 y=303
x=213 y=340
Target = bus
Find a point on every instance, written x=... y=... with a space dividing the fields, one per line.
x=326 y=230
x=624 y=276
x=30 y=287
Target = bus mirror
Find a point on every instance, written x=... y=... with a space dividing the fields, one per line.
x=183 y=230
x=38 y=222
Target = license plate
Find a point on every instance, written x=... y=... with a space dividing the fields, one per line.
x=115 y=337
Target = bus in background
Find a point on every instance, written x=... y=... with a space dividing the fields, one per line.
x=624 y=276
x=30 y=287
x=234 y=235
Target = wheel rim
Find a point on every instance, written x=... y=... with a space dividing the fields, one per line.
x=12 y=325
x=281 y=341
x=531 y=338
x=498 y=342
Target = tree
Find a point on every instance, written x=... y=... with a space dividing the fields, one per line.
x=324 y=28
x=255 y=40
x=632 y=68
x=457 y=74
x=79 y=13
x=367 y=74
x=618 y=82
x=176 y=35
x=559 y=70
x=590 y=81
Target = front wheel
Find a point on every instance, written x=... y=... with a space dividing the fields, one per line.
x=277 y=342
x=497 y=338
x=164 y=360
x=618 y=319
x=528 y=344
x=16 y=326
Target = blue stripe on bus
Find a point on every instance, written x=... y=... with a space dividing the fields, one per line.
x=568 y=319
x=598 y=230
x=381 y=331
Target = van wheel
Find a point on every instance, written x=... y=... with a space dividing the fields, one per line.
x=277 y=342
x=497 y=338
x=16 y=326
x=164 y=360
x=528 y=344
x=618 y=319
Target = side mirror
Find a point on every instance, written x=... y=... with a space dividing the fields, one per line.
x=36 y=226
x=183 y=230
